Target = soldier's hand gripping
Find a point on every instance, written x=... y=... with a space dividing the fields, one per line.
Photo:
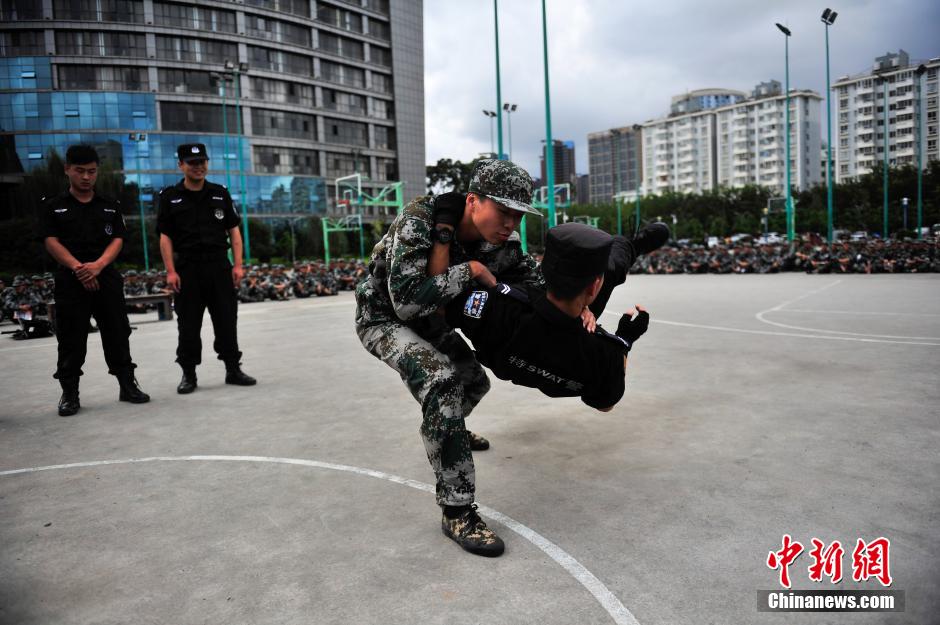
x=448 y=208
x=631 y=328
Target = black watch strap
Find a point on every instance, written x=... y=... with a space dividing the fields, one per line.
x=442 y=235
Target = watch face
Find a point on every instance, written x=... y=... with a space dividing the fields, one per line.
x=444 y=235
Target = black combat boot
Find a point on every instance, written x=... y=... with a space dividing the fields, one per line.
x=235 y=375
x=477 y=442
x=68 y=403
x=130 y=389
x=464 y=526
x=188 y=383
x=650 y=238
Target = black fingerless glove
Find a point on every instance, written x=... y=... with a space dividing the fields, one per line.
x=448 y=208
x=631 y=329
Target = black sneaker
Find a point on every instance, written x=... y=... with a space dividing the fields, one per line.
x=477 y=442
x=650 y=238
x=470 y=532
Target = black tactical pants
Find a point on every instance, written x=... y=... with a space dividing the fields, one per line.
x=206 y=284
x=75 y=306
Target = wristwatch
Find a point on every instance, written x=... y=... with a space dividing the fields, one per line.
x=442 y=235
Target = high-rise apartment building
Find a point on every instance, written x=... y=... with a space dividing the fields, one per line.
x=891 y=96
x=563 y=163
x=735 y=144
x=318 y=88
x=614 y=162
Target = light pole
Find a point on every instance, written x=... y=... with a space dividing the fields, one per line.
x=919 y=73
x=828 y=18
x=637 y=128
x=499 y=95
x=139 y=139
x=884 y=178
x=510 y=109
x=237 y=70
x=549 y=157
x=492 y=116
x=791 y=225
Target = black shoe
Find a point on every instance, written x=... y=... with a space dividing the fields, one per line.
x=188 y=384
x=650 y=238
x=235 y=375
x=68 y=403
x=470 y=532
x=130 y=390
x=477 y=442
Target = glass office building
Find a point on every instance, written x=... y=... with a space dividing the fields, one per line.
x=287 y=95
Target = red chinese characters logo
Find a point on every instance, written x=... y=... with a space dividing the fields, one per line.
x=869 y=560
x=784 y=558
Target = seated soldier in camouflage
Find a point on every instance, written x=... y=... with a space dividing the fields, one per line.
x=397 y=323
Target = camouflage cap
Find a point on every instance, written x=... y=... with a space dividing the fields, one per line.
x=504 y=182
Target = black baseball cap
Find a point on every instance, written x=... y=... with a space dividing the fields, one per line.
x=192 y=152
x=574 y=253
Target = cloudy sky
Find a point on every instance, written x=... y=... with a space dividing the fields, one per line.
x=615 y=63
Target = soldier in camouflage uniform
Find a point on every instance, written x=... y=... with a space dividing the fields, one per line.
x=397 y=320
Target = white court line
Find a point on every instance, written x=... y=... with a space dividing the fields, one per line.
x=611 y=604
x=779 y=308
x=771 y=333
x=859 y=312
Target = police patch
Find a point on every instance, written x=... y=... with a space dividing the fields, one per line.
x=219 y=214
x=107 y=229
x=475 y=303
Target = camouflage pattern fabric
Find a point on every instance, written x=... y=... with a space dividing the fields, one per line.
x=396 y=322
x=505 y=182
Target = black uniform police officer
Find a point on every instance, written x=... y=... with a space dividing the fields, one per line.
x=84 y=233
x=196 y=219
x=536 y=338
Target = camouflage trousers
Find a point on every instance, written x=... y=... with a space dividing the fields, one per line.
x=443 y=375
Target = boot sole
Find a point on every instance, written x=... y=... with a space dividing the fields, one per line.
x=486 y=552
x=134 y=401
x=242 y=383
x=186 y=391
x=68 y=413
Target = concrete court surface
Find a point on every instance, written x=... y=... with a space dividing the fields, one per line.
x=756 y=406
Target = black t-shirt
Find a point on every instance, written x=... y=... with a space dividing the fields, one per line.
x=197 y=221
x=524 y=338
x=85 y=229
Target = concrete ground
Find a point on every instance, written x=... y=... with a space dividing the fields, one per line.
x=756 y=406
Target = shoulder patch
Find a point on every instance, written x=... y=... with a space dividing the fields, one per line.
x=513 y=292
x=473 y=307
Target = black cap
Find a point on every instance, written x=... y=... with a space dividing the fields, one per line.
x=192 y=152
x=575 y=253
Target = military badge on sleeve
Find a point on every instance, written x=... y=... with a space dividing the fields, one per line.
x=108 y=229
x=475 y=303
x=219 y=214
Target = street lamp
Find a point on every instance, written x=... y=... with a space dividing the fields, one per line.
x=221 y=78
x=549 y=157
x=637 y=129
x=791 y=226
x=492 y=116
x=509 y=108
x=919 y=73
x=233 y=72
x=139 y=139
x=828 y=18
x=884 y=178
x=499 y=95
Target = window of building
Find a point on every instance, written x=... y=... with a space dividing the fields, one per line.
x=380 y=30
x=22 y=43
x=379 y=6
x=99 y=10
x=276 y=30
x=289 y=161
x=342 y=74
x=20 y=10
x=341 y=46
x=186 y=116
x=196 y=17
x=381 y=83
x=384 y=138
x=281 y=91
x=280 y=61
x=346 y=132
x=347 y=164
x=344 y=102
x=283 y=124
x=386 y=168
x=339 y=18
x=380 y=56
x=102 y=78
x=294 y=7
x=90 y=43
x=186 y=81
x=382 y=109
x=195 y=50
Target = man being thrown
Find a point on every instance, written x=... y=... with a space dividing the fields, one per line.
x=536 y=338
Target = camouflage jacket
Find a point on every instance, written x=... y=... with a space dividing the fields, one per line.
x=398 y=287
